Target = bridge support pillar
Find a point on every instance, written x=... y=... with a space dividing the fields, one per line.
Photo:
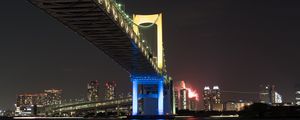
x=135 y=103
x=160 y=97
x=143 y=88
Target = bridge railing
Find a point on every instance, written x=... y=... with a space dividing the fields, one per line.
x=125 y=23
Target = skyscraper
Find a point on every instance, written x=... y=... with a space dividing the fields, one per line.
x=53 y=96
x=268 y=95
x=93 y=90
x=193 y=104
x=206 y=98
x=183 y=99
x=216 y=94
x=176 y=99
x=265 y=94
x=277 y=98
x=110 y=91
x=297 y=94
x=216 y=99
x=212 y=98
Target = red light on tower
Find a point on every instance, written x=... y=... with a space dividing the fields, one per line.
x=193 y=94
x=182 y=84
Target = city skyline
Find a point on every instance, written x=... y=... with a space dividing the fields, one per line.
x=210 y=53
x=27 y=103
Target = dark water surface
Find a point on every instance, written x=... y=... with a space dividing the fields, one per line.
x=181 y=118
x=193 y=118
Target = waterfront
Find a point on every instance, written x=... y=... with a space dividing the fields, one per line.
x=177 y=118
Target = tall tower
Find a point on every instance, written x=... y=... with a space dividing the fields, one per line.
x=216 y=95
x=110 y=92
x=212 y=99
x=193 y=104
x=216 y=99
x=277 y=98
x=183 y=99
x=267 y=94
x=297 y=94
x=206 y=98
x=157 y=20
x=176 y=99
x=158 y=102
x=93 y=90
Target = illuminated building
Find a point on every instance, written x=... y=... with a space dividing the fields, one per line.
x=268 y=95
x=242 y=104
x=216 y=95
x=110 y=90
x=277 y=98
x=297 y=98
x=230 y=106
x=2 y=112
x=27 y=103
x=93 y=90
x=30 y=104
x=31 y=99
x=188 y=98
x=237 y=106
x=193 y=99
x=217 y=107
x=176 y=99
x=193 y=104
x=212 y=98
x=206 y=98
x=265 y=94
x=53 y=96
x=183 y=99
x=183 y=96
x=297 y=94
x=216 y=99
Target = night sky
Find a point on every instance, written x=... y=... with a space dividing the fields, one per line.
x=236 y=44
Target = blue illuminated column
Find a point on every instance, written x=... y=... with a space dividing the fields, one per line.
x=134 y=97
x=160 y=97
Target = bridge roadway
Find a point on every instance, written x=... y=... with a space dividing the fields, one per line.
x=105 y=25
x=87 y=106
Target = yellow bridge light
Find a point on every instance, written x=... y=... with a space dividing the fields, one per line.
x=154 y=19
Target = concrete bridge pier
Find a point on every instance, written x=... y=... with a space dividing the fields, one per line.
x=150 y=89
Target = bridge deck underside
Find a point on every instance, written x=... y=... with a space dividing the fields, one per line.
x=91 y=21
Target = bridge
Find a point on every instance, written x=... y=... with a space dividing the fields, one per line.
x=105 y=25
x=115 y=105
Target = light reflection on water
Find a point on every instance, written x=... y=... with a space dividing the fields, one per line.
x=74 y=118
x=181 y=118
x=194 y=118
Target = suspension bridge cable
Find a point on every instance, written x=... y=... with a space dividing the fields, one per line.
x=118 y=6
